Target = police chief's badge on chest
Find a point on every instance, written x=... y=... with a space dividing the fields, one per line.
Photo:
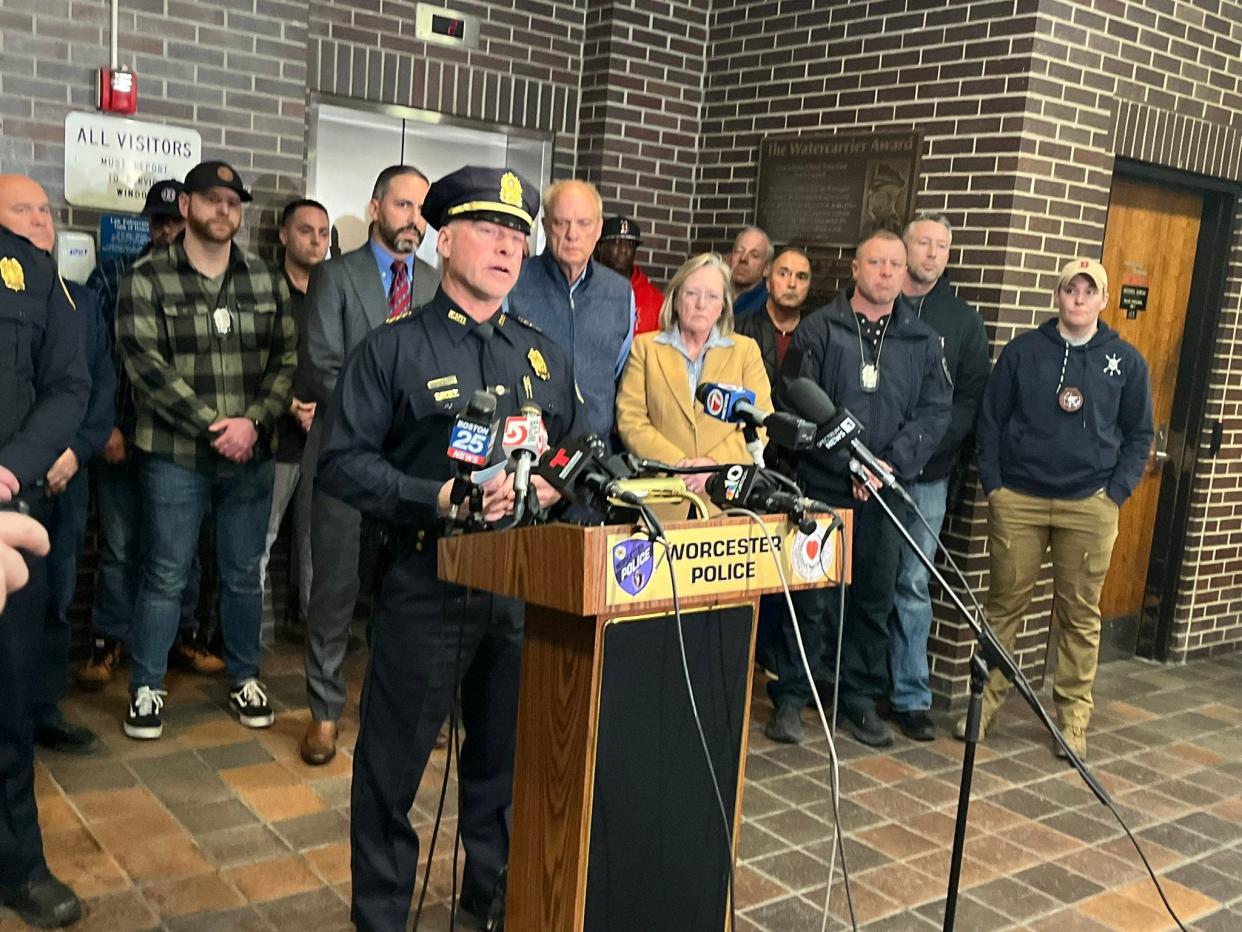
x=223 y=321
x=537 y=363
x=1070 y=399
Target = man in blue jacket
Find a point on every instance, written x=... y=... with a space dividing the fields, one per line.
x=872 y=355
x=68 y=489
x=1064 y=434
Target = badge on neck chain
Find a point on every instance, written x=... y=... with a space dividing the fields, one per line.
x=223 y=321
x=1070 y=399
x=869 y=377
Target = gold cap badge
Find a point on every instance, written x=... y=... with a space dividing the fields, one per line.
x=224 y=173
x=13 y=274
x=510 y=190
x=537 y=363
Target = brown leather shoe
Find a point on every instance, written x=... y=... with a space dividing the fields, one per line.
x=318 y=745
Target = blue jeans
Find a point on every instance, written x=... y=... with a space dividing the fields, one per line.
x=911 y=619
x=67 y=530
x=120 y=558
x=174 y=503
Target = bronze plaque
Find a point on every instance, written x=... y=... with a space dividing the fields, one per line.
x=832 y=189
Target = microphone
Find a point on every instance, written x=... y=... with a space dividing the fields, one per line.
x=747 y=487
x=837 y=429
x=734 y=404
x=582 y=469
x=470 y=442
x=524 y=440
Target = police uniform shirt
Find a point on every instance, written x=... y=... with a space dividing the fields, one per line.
x=388 y=427
x=44 y=380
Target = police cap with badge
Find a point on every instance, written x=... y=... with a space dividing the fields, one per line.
x=500 y=195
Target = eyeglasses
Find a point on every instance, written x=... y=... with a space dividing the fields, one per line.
x=694 y=296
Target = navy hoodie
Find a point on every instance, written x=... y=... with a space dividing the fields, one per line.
x=1027 y=443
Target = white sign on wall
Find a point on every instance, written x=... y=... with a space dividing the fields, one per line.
x=111 y=162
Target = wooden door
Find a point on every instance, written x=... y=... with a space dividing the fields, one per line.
x=1149 y=243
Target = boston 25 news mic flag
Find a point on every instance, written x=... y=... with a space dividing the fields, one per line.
x=470 y=445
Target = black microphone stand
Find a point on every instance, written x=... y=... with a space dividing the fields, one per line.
x=990 y=653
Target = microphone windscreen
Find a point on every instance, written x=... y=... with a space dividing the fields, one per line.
x=809 y=401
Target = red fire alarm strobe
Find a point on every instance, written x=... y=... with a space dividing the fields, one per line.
x=118 y=90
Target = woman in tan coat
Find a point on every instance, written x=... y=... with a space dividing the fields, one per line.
x=657 y=414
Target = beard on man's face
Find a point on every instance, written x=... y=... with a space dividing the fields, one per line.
x=398 y=239
x=215 y=229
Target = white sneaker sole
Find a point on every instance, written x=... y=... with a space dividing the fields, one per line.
x=144 y=732
x=255 y=721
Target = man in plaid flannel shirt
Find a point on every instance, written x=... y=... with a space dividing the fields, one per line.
x=210 y=346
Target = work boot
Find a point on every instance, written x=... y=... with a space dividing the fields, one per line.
x=190 y=652
x=991 y=703
x=785 y=724
x=1076 y=737
x=97 y=672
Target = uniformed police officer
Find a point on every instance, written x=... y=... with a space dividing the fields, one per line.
x=384 y=453
x=44 y=387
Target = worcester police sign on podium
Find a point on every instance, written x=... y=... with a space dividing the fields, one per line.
x=711 y=560
x=111 y=162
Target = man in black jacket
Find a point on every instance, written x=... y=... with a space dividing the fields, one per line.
x=966 y=361
x=872 y=355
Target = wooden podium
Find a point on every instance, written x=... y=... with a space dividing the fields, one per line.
x=616 y=825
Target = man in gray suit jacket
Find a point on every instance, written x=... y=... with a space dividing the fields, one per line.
x=349 y=297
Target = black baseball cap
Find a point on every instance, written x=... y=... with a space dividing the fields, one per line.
x=621 y=228
x=500 y=195
x=162 y=199
x=207 y=175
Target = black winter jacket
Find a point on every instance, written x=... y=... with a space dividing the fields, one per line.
x=967 y=361
x=904 y=419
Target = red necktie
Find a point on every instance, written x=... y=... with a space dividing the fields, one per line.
x=399 y=293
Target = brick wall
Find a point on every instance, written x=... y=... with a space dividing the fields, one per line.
x=1024 y=105
x=234 y=70
x=642 y=94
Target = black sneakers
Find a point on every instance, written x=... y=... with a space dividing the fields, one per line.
x=143 y=721
x=917 y=724
x=868 y=728
x=248 y=701
x=785 y=724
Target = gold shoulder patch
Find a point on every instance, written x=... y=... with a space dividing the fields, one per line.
x=538 y=364
x=457 y=317
x=399 y=317
x=13 y=274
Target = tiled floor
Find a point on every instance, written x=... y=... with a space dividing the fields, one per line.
x=218 y=828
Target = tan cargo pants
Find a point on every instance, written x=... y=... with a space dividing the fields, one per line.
x=1081 y=533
